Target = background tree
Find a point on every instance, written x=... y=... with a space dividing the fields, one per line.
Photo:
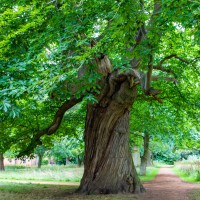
x=40 y=151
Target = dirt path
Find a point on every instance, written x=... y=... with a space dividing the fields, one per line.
x=167 y=186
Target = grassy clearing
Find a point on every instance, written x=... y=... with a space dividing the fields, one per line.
x=19 y=191
x=10 y=191
x=57 y=173
x=188 y=172
x=46 y=173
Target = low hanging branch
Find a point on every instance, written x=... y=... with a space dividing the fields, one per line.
x=53 y=127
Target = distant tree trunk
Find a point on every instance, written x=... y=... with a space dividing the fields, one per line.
x=2 y=168
x=144 y=158
x=40 y=157
x=67 y=162
x=149 y=159
x=136 y=156
x=80 y=161
x=108 y=162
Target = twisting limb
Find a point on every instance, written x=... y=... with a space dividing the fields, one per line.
x=159 y=66
x=182 y=59
x=169 y=57
x=53 y=127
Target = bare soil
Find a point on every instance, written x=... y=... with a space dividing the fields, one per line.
x=167 y=186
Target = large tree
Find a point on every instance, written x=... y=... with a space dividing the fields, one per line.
x=61 y=52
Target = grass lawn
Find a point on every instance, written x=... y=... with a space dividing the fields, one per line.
x=13 y=191
x=57 y=173
x=185 y=176
x=28 y=191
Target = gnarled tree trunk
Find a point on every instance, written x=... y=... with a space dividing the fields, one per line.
x=144 y=158
x=108 y=162
x=2 y=168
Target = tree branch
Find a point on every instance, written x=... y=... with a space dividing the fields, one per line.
x=155 y=78
x=169 y=57
x=53 y=127
x=156 y=10
x=159 y=66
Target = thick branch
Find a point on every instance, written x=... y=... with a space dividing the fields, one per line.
x=156 y=10
x=53 y=127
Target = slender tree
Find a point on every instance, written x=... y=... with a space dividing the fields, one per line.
x=2 y=168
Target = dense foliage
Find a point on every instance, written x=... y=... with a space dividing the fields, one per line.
x=47 y=56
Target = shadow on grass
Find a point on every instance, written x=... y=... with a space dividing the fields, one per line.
x=194 y=194
x=10 y=191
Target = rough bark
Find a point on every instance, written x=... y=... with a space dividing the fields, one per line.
x=144 y=158
x=2 y=168
x=108 y=162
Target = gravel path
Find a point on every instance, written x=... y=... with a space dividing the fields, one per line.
x=167 y=186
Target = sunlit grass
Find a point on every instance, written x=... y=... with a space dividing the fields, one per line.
x=57 y=173
x=46 y=173
x=150 y=174
x=188 y=172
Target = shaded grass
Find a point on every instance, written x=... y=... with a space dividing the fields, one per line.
x=10 y=191
x=19 y=191
x=194 y=194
